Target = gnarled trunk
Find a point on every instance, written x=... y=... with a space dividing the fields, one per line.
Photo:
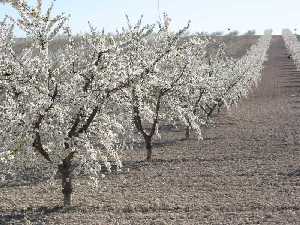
x=148 y=143
x=65 y=171
x=187 y=132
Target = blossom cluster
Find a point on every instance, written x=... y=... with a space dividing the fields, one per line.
x=222 y=80
x=82 y=103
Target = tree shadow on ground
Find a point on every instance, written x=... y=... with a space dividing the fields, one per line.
x=38 y=215
x=32 y=180
x=34 y=215
x=137 y=164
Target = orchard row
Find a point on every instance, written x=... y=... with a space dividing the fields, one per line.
x=78 y=105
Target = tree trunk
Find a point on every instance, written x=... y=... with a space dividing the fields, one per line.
x=187 y=132
x=148 y=142
x=65 y=170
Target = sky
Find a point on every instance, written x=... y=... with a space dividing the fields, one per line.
x=205 y=15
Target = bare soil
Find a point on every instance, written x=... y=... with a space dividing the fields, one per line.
x=243 y=172
x=237 y=46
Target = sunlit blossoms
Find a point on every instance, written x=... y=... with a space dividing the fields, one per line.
x=72 y=109
x=219 y=80
x=62 y=105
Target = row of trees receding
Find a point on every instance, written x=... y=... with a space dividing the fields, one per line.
x=77 y=106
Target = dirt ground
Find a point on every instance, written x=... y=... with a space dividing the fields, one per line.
x=244 y=172
x=236 y=46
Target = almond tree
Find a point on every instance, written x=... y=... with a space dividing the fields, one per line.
x=224 y=80
x=64 y=107
x=247 y=71
x=155 y=98
x=208 y=76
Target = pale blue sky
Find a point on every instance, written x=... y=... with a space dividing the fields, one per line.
x=206 y=15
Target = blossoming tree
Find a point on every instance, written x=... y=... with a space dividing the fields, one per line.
x=223 y=80
x=74 y=108
x=63 y=107
x=154 y=99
